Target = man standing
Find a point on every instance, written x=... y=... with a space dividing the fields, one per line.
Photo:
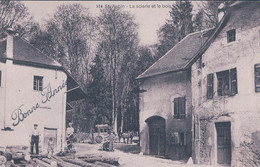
x=35 y=135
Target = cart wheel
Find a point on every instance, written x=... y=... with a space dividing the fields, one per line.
x=98 y=139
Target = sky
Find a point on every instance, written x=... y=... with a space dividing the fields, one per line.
x=149 y=15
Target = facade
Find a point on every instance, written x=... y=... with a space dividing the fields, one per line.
x=165 y=102
x=34 y=89
x=225 y=90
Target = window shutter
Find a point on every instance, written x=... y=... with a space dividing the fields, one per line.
x=183 y=111
x=175 y=107
x=210 y=86
x=233 y=81
x=257 y=78
x=220 y=84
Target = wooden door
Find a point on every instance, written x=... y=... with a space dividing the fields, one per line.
x=157 y=136
x=223 y=143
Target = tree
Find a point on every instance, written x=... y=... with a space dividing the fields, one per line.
x=177 y=27
x=14 y=14
x=210 y=12
x=72 y=33
x=99 y=93
x=198 y=21
x=118 y=46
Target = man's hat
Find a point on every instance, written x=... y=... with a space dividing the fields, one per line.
x=35 y=124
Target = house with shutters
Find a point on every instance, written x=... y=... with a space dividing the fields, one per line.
x=225 y=86
x=165 y=101
x=34 y=89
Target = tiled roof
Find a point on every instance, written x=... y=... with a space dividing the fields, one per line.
x=179 y=55
x=23 y=51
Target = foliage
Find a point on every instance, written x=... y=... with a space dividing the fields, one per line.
x=14 y=14
x=210 y=11
x=118 y=47
x=198 y=23
x=99 y=93
x=72 y=32
x=177 y=27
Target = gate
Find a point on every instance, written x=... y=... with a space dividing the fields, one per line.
x=157 y=135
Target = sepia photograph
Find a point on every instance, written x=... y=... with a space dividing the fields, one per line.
x=129 y=83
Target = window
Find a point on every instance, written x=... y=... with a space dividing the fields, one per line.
x=0 y=78
x=37 y=83
x=179 y=138
x=231 y=35
x=210 y=86
x=179 y=107
x=257 y=78
x=227 y=82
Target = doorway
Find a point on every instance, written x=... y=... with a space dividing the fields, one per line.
x=50 y=134
x=157 y=136
x=223 y=143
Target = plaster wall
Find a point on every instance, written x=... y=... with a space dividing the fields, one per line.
x=18 y=96
x=242 y=109
x=157 y=100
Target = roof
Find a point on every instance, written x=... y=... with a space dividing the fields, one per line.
x=239 y=14
x=176 y=58
x=23 y=51
x=26 y=54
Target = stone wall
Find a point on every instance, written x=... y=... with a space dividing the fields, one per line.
x=242 y=109
x=158 y=101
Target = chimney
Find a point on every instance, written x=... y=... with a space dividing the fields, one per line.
x=221 y=11
x=10 y=43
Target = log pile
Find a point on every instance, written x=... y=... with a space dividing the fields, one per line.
x=89 y=160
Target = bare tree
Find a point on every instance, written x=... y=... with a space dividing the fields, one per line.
x=118 y=45
x=14 y=14
x=72 y=31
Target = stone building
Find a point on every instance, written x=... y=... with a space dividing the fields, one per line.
x=226 y=90
x=34 y=89
x=165 y=101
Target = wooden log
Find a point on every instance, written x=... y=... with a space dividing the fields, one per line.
x=62 y=163
x=109 y=160
x=104 y=164
x=80 y=162
x=41 y=163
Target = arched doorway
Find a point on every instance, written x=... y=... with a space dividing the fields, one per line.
x=157 y=136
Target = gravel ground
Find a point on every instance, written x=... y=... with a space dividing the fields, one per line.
x=127 y=158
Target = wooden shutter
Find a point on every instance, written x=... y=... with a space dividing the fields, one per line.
x=220 y=83
x=257 y=78
x=176 y=107
x=180 y=107
x=210 y=86
x=233 y=81
x=183 y=107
